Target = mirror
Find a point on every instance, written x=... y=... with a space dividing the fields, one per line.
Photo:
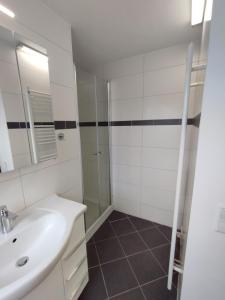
x=27 y=132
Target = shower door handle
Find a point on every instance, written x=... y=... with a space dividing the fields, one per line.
x=97 y=153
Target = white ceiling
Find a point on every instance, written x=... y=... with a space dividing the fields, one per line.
x=107 y=30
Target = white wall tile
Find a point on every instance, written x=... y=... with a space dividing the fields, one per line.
x=148 y=159
x=21 y=160
x=168 y=106
x=61 y=66
x=9 y=175
x=125 y=197
x=126 y=136
x=157 y=215
x=128 y=66
x=127 y=87
x=160 y=158
x=9 y=78
x=69 y=147
x=19 y=141
x=162 y=179
x=74 y=194
x=165 y=58
x=123 y=110
x=40 y=184
x=126 y=191
x=14 y=109
x=63 y=102
x=160 y=198
x=128 y=174
x=11 y=194
x=126 y=155
x=7 y=52
x=126 y=206
x=164 y=81
x=164 y=136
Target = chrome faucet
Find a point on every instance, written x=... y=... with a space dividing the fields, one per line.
x=7 y=219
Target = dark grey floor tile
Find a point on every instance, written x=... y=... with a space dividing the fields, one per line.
x=132 y=243
x=116 y=215
x=92 y=256
x=109 y=250
x=123 y=226
x=135 y=294
x=153 y=237
x=104 y=232
x=140 y=224
x=91 y=241
x=157 y=290
x=145 y=267
x=118 y=277
x=95 y=288
x=163 y=255
x=167 y=231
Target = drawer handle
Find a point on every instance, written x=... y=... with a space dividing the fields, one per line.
x=76 y=268
x=74 y=249
x=77 y=289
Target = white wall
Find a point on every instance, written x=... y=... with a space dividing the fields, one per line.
x=204 y=269
x=22 y=188
x=144 y=158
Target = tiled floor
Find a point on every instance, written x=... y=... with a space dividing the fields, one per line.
x=128 y=260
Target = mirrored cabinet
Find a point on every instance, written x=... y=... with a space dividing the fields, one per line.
x=27 y=132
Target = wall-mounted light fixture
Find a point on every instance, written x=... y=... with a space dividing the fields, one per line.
x=201 y=9
x=7 y=11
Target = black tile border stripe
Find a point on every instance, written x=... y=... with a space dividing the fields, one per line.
x=67 y=124
x=157 y=122
x=87 y=124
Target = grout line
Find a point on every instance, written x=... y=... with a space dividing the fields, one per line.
x=123 y=218
x=122 y=293
x=164 y=234
x=150 y=250
x=154 y=225
x=154 y=280
x=129 y=261
x=129 y=255
x=107 y=294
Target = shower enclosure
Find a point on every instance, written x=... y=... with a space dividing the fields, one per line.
x=94 y=132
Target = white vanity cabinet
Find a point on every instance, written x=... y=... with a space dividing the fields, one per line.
x=74 y=262
x=70 y=276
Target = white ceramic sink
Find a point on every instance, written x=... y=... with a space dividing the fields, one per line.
x=39 y=237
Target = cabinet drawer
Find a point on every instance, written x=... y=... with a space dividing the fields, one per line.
x=72 y=264
x=73 y=285
x=77 y=237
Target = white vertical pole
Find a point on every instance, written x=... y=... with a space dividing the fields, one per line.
x=180 y=162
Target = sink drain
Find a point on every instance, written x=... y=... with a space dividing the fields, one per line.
x=22 y=261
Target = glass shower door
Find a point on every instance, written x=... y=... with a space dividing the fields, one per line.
x=93 y=118
x=89 y=147
x=103 y=144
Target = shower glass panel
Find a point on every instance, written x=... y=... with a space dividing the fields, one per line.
x=94 y=132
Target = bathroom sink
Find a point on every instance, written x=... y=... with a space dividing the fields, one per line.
x=35 y=245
